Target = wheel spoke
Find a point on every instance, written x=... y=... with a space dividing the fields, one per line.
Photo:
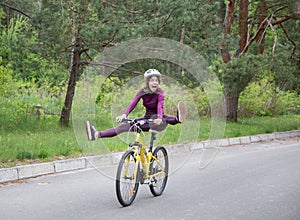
x=159 y=171
x=126 y=182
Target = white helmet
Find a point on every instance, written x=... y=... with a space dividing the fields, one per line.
x=152 y=72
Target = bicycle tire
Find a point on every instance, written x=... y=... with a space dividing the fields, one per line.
x=159 y=184
x=127 y=186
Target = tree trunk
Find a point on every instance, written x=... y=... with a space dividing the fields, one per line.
x=261 y=26
x=227 y=30
x=232 y=96
x=243 y=25
x=74 y=72
x=231 y=100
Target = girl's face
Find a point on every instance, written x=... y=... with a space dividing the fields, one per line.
x=153 y=83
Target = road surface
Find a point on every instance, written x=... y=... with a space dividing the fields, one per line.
x=256 y=181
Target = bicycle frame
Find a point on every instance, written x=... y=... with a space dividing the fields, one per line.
x=144 y=158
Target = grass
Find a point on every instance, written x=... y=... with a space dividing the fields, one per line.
x=262 y=125
x=32 y=140
x=41 y=140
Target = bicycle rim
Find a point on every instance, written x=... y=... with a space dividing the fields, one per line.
x=127 y=183
x=159 y=169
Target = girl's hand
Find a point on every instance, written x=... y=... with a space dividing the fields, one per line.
x=120 y=118
x=158 y=121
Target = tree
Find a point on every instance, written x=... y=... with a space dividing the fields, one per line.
x=254 y=26
x=79 y=14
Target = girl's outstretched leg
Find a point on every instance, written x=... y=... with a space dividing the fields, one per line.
x=93 y=134
x=114 y=131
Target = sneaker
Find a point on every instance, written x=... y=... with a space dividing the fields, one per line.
x=181 y=112
x=91 y=131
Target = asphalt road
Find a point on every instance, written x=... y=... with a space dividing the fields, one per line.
x=256 y=181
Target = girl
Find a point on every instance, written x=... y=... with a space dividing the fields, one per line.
x=153 y=100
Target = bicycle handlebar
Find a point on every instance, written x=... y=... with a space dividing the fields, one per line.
x=138 y=121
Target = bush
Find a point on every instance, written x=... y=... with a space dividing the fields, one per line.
x=18 y=101
x=6 y=82
x=287 y=102
x=264 y=98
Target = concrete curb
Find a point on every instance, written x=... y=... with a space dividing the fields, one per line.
x=34 y=170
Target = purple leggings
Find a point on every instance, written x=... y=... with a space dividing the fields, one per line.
x=146 y=127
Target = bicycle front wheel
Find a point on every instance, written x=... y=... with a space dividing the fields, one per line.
x=159 y=169
x=127 y=179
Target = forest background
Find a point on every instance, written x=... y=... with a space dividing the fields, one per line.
x=252 y=46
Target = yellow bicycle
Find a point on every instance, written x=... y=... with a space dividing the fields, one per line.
x=139 y=166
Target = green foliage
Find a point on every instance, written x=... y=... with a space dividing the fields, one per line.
x=287 y=102
x=17 y=46
x=18 y=101
x=264 y=97
x=6 y=81
x=286 y=75
x=20 y=52
x=237 y=74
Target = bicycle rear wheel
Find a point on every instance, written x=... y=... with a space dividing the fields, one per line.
x=127 y=179
x=159 y=169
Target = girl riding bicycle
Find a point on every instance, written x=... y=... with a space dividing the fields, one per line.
x=153 y=100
